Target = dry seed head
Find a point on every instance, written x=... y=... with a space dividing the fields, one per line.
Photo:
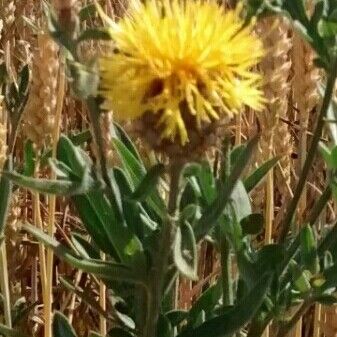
x=7 y=12
x=39 y=120
x=306 y=78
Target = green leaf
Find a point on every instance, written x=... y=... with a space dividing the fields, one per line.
x=207 y=182
x=330 y=276
x=136 y=171
x=5 y=193
x=87 y=12
x=148 y=183
x=308 y=250
x=83 y=247
x=99 y=216
x=332 y=117
x=240 y=201
x=84 y=296
x=185 y=251
x=301 y=278
x=176 y=316
x=327 y=28
x=235 y=318
x=61 y=326
x=29 y=159
x=256 y=177
x=216 y=209
x=125 y=139
x=84 y=80
x=94 y=34
x=93 y=225
x=105 y=270
x=326 y=154
x=269 y=257
x=252 y=224
x=206 y=303
x=326 y=299
x=8 y=332
x=52 y=186
x=164 y=327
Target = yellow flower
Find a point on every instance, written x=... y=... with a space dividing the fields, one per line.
x=179 y=60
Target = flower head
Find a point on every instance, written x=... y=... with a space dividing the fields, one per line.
x=186 y=63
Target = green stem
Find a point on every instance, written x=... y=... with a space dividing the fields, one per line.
x=160 y=264
x=226 y=269
x=311 y=153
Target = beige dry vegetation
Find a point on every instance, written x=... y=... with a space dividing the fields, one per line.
x=291 y=89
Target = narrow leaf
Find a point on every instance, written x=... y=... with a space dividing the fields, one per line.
x=256 y=177
x=149 y=183
x=5 y=193
x=236 y=318
x=106 y=270
x=61 y=326
x=215 y=210
x=94 y=34
x=52 y=186
x=185 y=251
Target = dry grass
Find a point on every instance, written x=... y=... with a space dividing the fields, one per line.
x=286 y=123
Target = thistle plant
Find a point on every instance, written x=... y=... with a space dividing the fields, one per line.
x=178 y=73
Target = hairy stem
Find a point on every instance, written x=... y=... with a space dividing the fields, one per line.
x=160 y=263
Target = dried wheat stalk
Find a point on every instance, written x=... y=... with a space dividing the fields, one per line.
x=39 y=114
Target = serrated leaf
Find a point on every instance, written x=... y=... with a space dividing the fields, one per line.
x=61 y=326
x=185 y=251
